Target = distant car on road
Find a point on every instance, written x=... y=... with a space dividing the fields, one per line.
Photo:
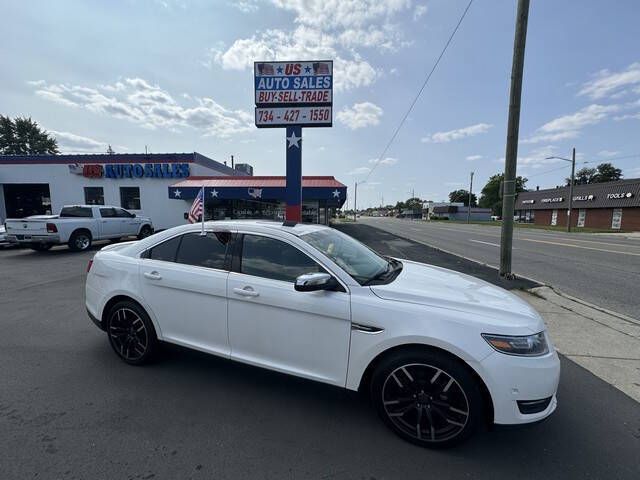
x=439 y=352
x=77 y=226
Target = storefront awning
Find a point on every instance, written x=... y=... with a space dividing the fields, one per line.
x=324 y=188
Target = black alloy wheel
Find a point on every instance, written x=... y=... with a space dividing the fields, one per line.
x=131 y=333
x=429 y=399
x=144 y=232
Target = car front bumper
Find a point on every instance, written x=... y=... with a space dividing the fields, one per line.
x=523 y=389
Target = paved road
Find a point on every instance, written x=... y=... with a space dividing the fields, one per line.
x=69 y=409
x=604 y=270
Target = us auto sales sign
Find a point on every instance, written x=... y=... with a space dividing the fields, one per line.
x=293 y=93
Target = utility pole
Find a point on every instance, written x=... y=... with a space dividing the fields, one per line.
x=573 y=174
x=511 y=157
x=355 y=201
x=469 y=204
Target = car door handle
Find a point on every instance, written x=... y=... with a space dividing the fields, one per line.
x=153 y=275
x=245 y=292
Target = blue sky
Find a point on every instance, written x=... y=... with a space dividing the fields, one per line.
x=176 y=75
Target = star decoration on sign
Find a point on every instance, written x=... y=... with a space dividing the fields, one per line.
x=176 y=193
x=336 y=193
x=214 y=193
x=279 y=69
x=307 y=69
x=293 y=140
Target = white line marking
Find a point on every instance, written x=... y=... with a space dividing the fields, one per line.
x=486 y=243
x=581 y=246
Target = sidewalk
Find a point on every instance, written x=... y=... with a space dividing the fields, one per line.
x=604 y=343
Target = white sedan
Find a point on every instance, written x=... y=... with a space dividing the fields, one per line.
x=438 y=351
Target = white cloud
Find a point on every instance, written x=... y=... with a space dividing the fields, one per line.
x=419 y=11
x=359 y=171
x=612 y=84
x=473 y=158
x=70 y=142
x=451 y=135
x=323 y=29
x=569 y=126
x=388 y=161
x=150 y=106
x=245 y=6
x=608 y=153
x=360 y=115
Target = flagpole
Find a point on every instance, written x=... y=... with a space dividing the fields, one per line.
x=202 y=216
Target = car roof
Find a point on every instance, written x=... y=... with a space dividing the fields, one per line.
x=295 y=229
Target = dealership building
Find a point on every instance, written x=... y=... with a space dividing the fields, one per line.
x=611 y=206
x=161 y=186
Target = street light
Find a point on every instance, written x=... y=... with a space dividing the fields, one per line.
x=571 y=182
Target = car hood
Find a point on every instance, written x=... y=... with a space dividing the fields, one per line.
x=442 y=288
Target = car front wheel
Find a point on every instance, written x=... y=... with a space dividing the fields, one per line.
x=427 y=398
x=144 y=232
x=131 y=333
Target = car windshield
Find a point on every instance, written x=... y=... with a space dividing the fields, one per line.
x=358 y=260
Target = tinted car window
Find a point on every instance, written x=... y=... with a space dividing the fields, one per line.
x=165 y=251
x=204 y=250
x=107 y=212
x=270 y=258
x=122 y=213
x=76 y=212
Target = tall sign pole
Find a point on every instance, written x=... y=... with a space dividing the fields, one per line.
x=511 y=157
x=293 y=95
x=571 y=182
x=469 y=201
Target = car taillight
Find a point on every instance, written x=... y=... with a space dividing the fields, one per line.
x=51 y=228
x=89 y=265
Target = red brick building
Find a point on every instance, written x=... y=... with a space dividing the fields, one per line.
x=611 y=206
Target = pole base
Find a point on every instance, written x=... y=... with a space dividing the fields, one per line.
x=293 y=213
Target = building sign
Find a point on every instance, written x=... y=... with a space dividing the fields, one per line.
x=554 y=218
x=552 y=200
x=584 y=198
x=293 y=93
x=616 y=196
x=293 y=83
x=582 y=215
x=305 y=116
x=528 y=201
x=131 y=170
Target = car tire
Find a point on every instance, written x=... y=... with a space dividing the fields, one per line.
x=145 y=231
x=131 y=333
x=40 y=247
x=80 y=241
x=427 y=397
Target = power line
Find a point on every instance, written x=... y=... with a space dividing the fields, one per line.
x=424 y=84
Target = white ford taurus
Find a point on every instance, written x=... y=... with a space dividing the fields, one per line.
x=438 y=351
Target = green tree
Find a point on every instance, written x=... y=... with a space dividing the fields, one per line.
x=462 y=195
x=23 y=136
x=413 y=203
x=606 y=172
x=583 y=176
x=490 y=194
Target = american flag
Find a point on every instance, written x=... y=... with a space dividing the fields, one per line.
x=320 y=69
x=197 y=207
x=265 y=69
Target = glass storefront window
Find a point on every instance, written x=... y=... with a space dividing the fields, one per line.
x=93 y=195
x=130 y=198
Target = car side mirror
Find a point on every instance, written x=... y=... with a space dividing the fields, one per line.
x=133 y=215
x=186 y=215
x=311 y=282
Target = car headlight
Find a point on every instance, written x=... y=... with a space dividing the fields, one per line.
x=523 y=345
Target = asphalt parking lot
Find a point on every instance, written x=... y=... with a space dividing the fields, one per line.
x=69 y=409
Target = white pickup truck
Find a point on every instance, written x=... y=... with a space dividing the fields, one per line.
x=77 y=226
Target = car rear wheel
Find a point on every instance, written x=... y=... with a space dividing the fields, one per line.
x=80 y=241
x=144 y=232
x=131 y=333
x=427 y=398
